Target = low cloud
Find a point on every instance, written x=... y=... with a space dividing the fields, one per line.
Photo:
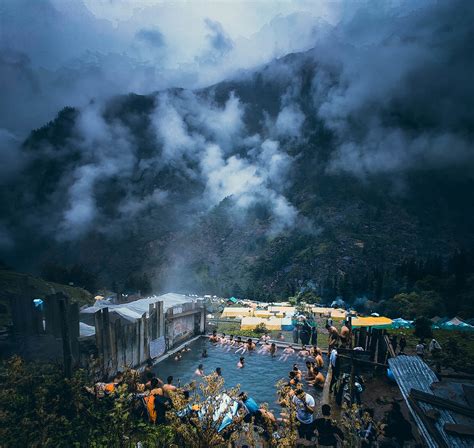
x=396 y=95
x=152 y=37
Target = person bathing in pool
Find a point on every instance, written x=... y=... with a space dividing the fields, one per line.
x=214 y=338
x=319 y=378
x=273 y=350
x=265 y=348
x=199 y=371
x=241 y=363
x=250 y=345
x=319 y=358
x=231 y=342
x=297 y=371
x=240 y=346
x=310 y=375
x=287 y=353
x=303 y=353
x=223 y=339
x=178 y=356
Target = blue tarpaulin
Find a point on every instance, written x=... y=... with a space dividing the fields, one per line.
x=401 y=323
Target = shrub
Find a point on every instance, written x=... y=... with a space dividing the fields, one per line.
x=423 y=328
x=260 y=329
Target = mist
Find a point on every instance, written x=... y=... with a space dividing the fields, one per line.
x=226 y=118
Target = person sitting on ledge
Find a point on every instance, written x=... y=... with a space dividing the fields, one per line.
x=169 y=386
x=101 y=389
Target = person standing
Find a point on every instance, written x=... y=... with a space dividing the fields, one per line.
x=314 y=334
x=335 y=368
x=403 y=344
x=305 y=333
x=434 y=348
x=420 y=349
x=328 y=432
x=295 y=333
x=304 y=413
x=345 y=335
x=333 y=337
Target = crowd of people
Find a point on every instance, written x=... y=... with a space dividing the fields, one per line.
x=155 y=396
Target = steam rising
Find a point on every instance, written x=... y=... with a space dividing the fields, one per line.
x=390 y=85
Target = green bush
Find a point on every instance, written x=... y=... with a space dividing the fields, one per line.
x=423 y=328
x=260 y=329
x=39 y=408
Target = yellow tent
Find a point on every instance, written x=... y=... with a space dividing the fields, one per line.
x=249 y=323
x=338 y=313
x=378 y=322
x=282 y=309
x=322 y=311
x=274 y=323
x=230 y=311
x=262 y=313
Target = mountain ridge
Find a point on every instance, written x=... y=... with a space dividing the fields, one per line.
x=297 y=221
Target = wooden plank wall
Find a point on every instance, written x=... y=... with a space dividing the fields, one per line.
x=38 y=333
x=121 y=344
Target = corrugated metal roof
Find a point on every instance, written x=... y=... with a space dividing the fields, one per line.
x=411 y=372
x=136 y=309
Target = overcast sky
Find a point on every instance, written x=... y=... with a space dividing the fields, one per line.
x=55 y=53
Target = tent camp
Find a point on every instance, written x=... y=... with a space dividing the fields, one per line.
x=288 y=310
x=374 y=322
x=335 y=313
x=230 y=311
x=456 y=324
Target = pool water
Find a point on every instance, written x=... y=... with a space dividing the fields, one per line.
x=258 y=378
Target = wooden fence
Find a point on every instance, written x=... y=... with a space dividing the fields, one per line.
x=46 y=331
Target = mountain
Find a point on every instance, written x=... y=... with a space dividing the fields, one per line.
x=283 y=180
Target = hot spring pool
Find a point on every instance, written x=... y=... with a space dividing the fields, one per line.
x=257 y=378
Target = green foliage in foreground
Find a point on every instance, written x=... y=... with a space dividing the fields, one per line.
x=39 y=408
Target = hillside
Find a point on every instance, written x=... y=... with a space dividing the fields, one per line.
x=245 y=188
x=14 y=284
